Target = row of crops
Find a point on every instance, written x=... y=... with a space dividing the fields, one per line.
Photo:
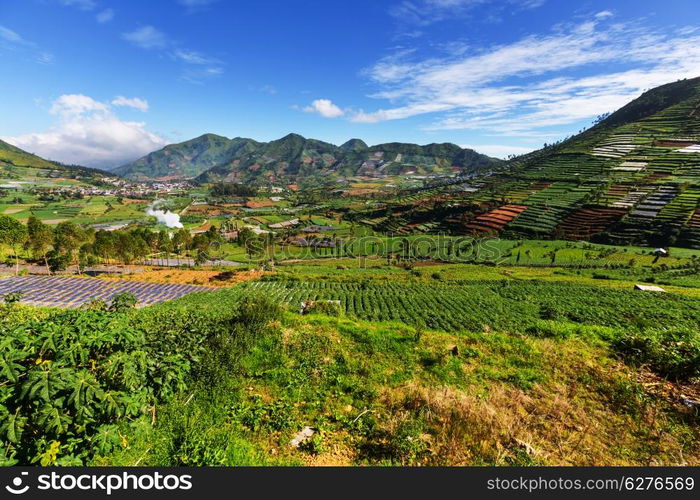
x=478 y=305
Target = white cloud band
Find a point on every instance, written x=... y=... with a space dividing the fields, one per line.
x=88 y=132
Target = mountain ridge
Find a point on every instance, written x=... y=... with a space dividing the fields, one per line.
x=211 y=157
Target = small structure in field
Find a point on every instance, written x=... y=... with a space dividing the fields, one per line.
x=284 y=224
x=308 y=306
x=649 y=288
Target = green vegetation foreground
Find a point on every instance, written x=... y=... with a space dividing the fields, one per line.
x=556 y=374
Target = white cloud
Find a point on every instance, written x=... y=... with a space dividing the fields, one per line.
x=604 y=14
x=44 y=58
x=517 y=88
x=194 y=57
x=196 y=3
x=325 y=108
x=134 y=102
x=13 y=42
x=10 y=36
x=194 y=6
x=147 y=37
x=89 y=133
x=265 y=89
x=198 y=67
x=268 y=89
x=425 y=12
x=76 y=104
x=81 y=4
x=105 y=16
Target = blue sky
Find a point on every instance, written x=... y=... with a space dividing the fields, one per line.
x=101 y=82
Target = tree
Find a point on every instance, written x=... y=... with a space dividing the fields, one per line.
x=57 y=261
x=104 y=245
x=40 y=240
x=182 y=239
x=13 y=234
x=165 y=244
x=68 y=239
x=201 y=258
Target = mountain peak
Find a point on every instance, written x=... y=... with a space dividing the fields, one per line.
x=354 y=145
x=291 y=137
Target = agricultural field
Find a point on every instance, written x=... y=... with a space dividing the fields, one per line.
x=91 y=210
x=71 y=292
x=361 y=373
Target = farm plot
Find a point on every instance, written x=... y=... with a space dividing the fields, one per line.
x=479 y=305
x=589 y=221
x=547 y=208
x=632 y=197
x=694 y=148
x=616 y=146
x=72 y=292
x=691 y=234
x=654 y=203
x=645 y=216
x=496 y=219
x=613 y=194
x=682 y=207
x=522 y=190
x=672 y=162
x=568 y=166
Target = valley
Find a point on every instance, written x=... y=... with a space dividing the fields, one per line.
x=410 y=305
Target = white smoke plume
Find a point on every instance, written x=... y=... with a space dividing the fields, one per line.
x=166 y=217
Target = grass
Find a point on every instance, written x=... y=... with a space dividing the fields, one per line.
x=385 y=394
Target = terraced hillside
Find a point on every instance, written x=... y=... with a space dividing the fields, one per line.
x=634 y=178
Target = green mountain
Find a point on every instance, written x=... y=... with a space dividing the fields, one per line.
x=294 y=158
x=186 y=159
x=633 y=178
x=354 y=145
x=17 y=164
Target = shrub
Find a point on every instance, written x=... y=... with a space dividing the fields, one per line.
x=122 y=302
x=257 y=312
x=224 y=276
x=327 y=307
x=68 y=392
x=13 y=297
x=672 y=354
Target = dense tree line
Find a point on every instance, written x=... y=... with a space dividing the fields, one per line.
x=58 y=247
x=223 y=189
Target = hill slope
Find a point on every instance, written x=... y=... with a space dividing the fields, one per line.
x=17 y=164
x=13 y=155
x=187 y=159
x=632 y=178
x=293 y=158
